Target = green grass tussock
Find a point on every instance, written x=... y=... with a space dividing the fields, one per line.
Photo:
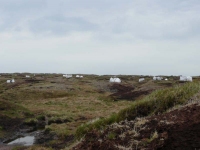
x=13 y=110
x=157 y=102
x=16 y=95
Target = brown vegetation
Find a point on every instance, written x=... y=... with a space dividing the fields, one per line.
x=61 y=105
x=177 y=129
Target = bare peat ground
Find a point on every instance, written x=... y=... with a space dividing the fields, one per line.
x=127 y=92
x=178 y=129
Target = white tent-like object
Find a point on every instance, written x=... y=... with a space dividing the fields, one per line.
x=111 y=79
x=141 y=79
x=186 y=78
x=27 y=76
x=166 y=79
x=77 y=76
x=117 y=80
x=8 y=81
x=67 y=75
x=157 y=78
x=189 y=78
x=81 y=76
x=13 y=80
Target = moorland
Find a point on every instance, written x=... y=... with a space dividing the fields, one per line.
x=92 y=113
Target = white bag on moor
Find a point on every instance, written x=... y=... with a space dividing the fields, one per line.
x=117 y=80
x=186 y=78
x=141 y=79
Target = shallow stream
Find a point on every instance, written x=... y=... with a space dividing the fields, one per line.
x=26 y=141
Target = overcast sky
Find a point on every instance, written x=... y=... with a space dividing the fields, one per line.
x=148 y=37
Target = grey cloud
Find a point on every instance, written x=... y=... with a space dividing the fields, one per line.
x=13 y=6
x=125 y=37
x=14 y=13
x=158 y=20
x=58 y=24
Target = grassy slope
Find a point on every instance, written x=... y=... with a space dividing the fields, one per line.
x=157 y=102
